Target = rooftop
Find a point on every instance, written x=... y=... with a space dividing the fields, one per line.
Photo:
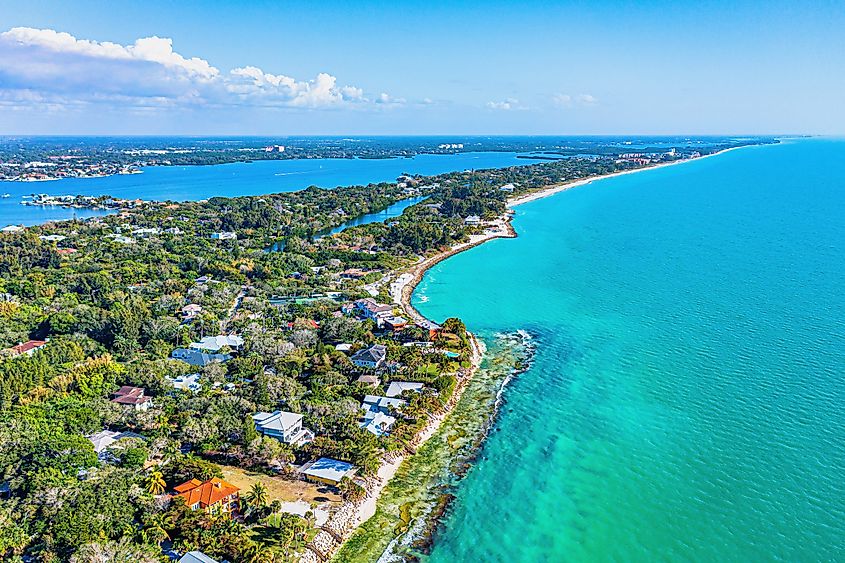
x=206 y=493
x=328 y=468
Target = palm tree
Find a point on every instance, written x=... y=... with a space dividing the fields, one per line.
x=257 y=553
x=155 y=528
x=155 y=483
x=257 y=495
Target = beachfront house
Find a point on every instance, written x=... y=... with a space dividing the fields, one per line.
x=327 y=471
x=215 y=343
x=397 y=388
x=214 y=496
x=198 y=357
x=395 y=323
x=283 y=426
x=433 y=328
x=380 y=424
x=370 y=358
x=134 y=397
x=378 y=418
x=472 y=220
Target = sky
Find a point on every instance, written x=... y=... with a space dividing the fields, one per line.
x=406 y=68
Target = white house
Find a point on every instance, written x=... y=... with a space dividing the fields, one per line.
x=372 y=357
x=224 y=235
x=191 y=310
x=396 y=388
x=472 y=220
x=373 y=310
x=214 y=343
x=105 y=439
x=380 y=424
x=283 y=426
x=190 y=382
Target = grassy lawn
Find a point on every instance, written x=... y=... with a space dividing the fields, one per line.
x=428 y=369
x=278 y=488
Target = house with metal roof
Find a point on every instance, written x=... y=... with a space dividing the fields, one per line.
x=283 y=426
x=396 y=388
x=327 y=470
x=215 y=343
x=197 y=557
x=380 y=424
x=198 y=357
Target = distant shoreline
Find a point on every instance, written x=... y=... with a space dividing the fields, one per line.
x=501 y=227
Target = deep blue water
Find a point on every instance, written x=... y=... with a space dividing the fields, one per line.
x=191 y=183
x=687 y=400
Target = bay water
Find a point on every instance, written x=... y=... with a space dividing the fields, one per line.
x=193 y=183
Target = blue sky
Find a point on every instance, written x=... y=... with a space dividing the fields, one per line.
x=281 y=68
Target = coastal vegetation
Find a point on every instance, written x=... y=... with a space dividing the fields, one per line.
x=103 y=322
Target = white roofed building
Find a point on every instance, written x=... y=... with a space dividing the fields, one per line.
x=283 y=426
x=396 y=388
x=214 y=343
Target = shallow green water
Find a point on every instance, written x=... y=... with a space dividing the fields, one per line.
x=407 y=503
x=687 y=396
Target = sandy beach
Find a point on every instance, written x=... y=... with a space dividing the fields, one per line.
x=557 y=188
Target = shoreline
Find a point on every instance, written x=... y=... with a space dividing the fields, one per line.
x=348 y=519
x=501 y=227
x=557 y=188
x=402 y=291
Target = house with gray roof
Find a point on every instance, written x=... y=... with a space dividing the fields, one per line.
x=197 y=557
x=283 y=426
x=198 y=357
x=372 y=357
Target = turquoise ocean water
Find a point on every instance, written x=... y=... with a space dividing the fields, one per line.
x=687 y=400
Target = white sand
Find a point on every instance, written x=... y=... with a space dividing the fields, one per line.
x=551 y=190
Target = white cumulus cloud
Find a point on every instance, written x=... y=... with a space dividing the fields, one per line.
x=56 y=67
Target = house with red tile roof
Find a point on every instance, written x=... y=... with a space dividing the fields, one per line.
x=133 y=397
x=214 y=496
x=25 y=348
